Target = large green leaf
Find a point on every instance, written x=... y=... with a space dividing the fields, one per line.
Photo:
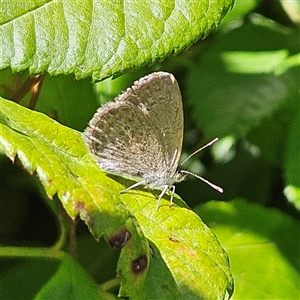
x=69 y=282
x=186 y=257
x=100 y=38
x=263 y=244
x=235 y=86
x=251 y=90
x=57 y=154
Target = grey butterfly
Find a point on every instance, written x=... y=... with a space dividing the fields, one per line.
x=139 y=135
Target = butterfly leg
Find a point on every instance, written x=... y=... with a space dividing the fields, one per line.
x=133 y=186
x=172 y=191
x=166 y=187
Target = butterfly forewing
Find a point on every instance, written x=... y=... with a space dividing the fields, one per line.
x=158 y=95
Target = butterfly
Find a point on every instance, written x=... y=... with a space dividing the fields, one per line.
x=139 y=135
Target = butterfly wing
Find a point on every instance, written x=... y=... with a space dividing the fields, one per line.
x=123 y=141
x=158 y=94
x=140 y=134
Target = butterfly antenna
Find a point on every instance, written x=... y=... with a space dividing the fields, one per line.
x=197 y=151
x=217 y=188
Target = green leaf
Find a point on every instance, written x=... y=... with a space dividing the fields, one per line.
x=60 y=159
x=263 y=246
x=27 y=275
x=188 y=248
x=62 y=97
x=234 y=87
x=240 y=10
x=185 y=254
x=100 y=38
x=69 y=282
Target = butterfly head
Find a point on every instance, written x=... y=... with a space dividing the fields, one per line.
x=179 y=175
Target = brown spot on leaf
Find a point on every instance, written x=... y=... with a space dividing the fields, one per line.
x=139 y=264
x=120 y=239
x=79 y=205
x=173 y=240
